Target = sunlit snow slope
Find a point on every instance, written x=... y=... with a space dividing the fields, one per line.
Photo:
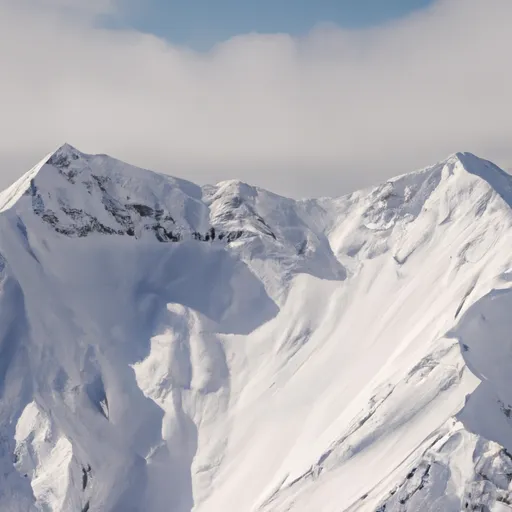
x=171 y=348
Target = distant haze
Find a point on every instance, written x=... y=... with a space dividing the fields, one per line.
x=319 y=115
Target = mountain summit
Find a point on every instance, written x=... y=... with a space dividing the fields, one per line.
x=166 y=347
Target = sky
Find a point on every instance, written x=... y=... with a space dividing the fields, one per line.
x=200 y=24
x=303 y=98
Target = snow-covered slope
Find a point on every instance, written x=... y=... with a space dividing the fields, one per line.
x=171 y=348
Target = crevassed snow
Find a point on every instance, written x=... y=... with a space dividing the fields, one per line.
x=171 y=348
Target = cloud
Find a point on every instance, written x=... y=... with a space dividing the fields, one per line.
x=66 y=7
x=318 y=115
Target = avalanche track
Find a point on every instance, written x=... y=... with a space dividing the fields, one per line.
x=166 y=347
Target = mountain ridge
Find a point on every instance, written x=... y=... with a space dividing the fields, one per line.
x=340 y=364
x=64 y=154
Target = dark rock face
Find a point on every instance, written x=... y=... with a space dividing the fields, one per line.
x=146 y=211
x=130 y=218
x=62 y=159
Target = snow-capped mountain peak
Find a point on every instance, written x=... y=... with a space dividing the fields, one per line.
x=166 y=347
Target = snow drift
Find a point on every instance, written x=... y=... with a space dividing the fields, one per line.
x=166 y=347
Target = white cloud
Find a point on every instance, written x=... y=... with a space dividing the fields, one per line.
x=319 y=115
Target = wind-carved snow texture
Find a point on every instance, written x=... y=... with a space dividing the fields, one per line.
x=166 y=347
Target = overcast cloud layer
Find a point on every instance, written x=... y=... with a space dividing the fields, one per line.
x=321 y=115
